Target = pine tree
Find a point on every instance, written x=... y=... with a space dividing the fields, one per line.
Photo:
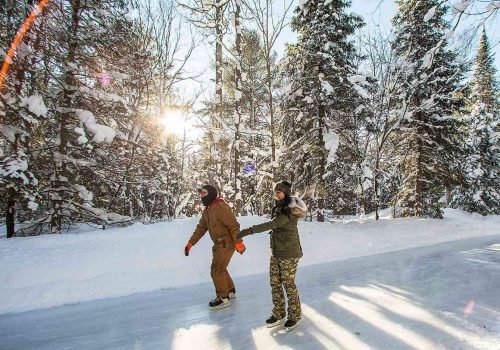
x=21 y=111
x=481 y=191
x=84 y=113
x=427 y=140
x=485 y=88
x=322 y=96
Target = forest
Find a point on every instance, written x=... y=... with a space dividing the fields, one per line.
x=104 y=121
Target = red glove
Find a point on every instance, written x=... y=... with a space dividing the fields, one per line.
x=240 y=247
x=187 y=249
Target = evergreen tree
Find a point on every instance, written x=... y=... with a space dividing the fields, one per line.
x=427 y=141
x=485 y=87
x=481 y=191
x=22 y=109
x=323 y=95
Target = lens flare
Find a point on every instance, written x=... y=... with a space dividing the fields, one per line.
x=19 y=37
x=104 y=79
x=469 y=307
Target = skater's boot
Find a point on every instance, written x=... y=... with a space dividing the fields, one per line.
x=219 y=303
x=274 y=321
x=232 y=294
x=291 y=324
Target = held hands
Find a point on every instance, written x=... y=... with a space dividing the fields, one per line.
x=187 y=249
x=245 y=232
x=240 y=247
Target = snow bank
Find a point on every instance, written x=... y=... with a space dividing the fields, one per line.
x=50 y=270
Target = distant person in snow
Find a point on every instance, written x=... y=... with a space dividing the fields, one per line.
x=285 y=254
x=219 y=220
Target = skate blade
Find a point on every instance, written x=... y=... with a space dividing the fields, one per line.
x=288 y=329
x=275 y=324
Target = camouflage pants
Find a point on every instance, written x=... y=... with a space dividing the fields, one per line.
x=282 y=275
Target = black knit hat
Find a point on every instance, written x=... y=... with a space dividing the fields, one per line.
x=285 y=187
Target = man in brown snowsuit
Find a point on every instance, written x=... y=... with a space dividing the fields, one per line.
x=218 y=219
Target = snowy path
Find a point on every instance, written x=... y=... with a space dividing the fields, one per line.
x=441 y=296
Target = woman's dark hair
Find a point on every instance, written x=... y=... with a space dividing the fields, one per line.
x=281 y=207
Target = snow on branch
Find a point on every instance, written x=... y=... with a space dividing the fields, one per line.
x=101 y=95
x=430 y=14
x=10 y=131
x=35 y=105
x=331 y=140
x=102 y=133
x=460 y=6
x=492 y=6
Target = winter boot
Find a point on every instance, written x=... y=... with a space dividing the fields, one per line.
x=274 y=321
x=291 y=324
x=232 y=294
x=218 y=303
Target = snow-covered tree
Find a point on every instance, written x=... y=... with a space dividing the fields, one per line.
x=427 y=139
x=322 y=106
x=82 y=120
x=270 y=19
x=256 y=140
x=485 y=88
x=209 y=15
x=481 y=189
x=384 y=69
x=22 y=109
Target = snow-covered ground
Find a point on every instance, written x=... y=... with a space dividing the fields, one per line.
x=443 y=296
x=51 y=270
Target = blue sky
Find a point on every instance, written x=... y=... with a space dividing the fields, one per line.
x=382 y=15
x=375 y=12
x=379 y=13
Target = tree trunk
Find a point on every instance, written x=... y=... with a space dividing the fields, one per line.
x=419 y=204
x=320 y=193
x=448 y=195
x=217 y=148
x=10 y=218
x=271 y=116
x=60 y=178
x=375 y=187
x=237 y=114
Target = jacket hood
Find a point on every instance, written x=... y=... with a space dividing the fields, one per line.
x=297 y=207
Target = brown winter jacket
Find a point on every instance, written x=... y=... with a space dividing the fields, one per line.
x=220 y=222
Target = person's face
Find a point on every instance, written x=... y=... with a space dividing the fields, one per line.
x=279 y=195
x=203 y=192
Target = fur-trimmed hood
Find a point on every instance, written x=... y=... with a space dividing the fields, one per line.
x=297 y=207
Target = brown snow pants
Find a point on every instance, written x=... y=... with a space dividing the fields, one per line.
x=222 y=252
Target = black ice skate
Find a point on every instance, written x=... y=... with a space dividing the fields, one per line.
x=291 y=324
x=218 y=303
x=273 y=321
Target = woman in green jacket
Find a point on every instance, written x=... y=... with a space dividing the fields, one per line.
x=285 y=254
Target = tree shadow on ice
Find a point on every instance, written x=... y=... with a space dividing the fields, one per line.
x=405 y=299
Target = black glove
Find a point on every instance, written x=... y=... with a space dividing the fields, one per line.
x=245 y=232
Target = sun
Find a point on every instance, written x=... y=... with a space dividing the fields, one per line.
x=174 y=122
